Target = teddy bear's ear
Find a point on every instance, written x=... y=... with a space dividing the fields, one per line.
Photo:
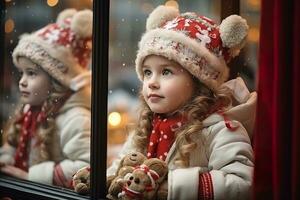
x=125 y=170
x=141 y=157
x=157 y=165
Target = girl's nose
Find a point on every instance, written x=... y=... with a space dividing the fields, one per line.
x=153 y=83
x=23 y=82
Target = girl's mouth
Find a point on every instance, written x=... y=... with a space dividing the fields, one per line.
x=25 y=93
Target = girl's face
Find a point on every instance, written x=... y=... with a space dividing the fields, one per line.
x=34 y=84
x=166 y=85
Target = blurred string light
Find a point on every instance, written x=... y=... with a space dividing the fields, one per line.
x=9 y=25
x=114 y=119
x=253 y=35
x=172 y=3
x=254 y=4
x=52 y=3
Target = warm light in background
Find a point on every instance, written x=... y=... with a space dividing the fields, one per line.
x=254 y=4
x=9 y=25
x=7 y=1
x=172 y=4
x=253 y=35
x=114 y=119
x=52 y=2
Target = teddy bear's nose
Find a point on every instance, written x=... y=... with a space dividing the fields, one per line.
x=83 y=180
x=134 y=154
x=137 y=180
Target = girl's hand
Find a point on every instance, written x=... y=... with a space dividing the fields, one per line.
x=162 y=192
x=14 y=171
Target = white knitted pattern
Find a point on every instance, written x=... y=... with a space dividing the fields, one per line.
x=57 y=61
x=208 y=68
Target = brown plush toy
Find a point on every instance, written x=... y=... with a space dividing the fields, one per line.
x=144 y=180
x=81 y=181
x=116 y=182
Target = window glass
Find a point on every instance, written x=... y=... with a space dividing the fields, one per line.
x=250 y=10
x=127 y=24
x=45 y=92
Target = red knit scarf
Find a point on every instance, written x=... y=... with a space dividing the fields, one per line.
x=163 y=135
x=28 y=123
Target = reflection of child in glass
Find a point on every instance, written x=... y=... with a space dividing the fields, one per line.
x=189 y=117
x=48 y=139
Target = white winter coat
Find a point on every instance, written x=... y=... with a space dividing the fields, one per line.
x=72 y=149
x=227 y=155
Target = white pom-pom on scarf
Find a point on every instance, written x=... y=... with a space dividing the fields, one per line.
x=160 y=15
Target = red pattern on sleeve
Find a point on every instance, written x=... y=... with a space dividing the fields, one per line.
x=205 y=190
x=59 y=178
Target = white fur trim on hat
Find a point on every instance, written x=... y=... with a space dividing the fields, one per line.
x=160 y=15
x=161 y=42
x=57 y=61
x=52 y=49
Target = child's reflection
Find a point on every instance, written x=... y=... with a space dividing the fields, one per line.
x=48 y=139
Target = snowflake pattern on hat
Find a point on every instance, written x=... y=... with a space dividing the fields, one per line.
x=63 y=35
x=202 y=29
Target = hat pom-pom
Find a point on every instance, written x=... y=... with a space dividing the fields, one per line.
x=233 y=31
x=82 y=23
x=160 y=15
x=67 y=13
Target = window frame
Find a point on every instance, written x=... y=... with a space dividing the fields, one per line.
x=16 y=188
x=23 y=189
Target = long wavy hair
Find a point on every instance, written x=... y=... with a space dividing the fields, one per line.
x=46 y=129
x=202 y=103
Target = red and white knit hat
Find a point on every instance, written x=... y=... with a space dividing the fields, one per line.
x=195 y=42
x=62 y=49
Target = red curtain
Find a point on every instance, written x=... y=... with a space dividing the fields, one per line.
x=277 y=133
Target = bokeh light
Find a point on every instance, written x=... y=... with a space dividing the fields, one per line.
x=172 y=4
x=114 y=119
x=52 y=2
x=9 y=25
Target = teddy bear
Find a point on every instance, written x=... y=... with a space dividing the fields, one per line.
x=81 y=180
x=115 y=182
x=144 y=181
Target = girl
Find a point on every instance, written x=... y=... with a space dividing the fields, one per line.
x=189 y=118
x=48 y=139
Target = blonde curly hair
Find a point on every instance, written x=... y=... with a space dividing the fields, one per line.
x=203 y=103
x=46 y=130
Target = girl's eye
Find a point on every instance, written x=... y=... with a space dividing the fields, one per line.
x=167 y=72
x=147 y=72
x=31 y=73
x=20 y=74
